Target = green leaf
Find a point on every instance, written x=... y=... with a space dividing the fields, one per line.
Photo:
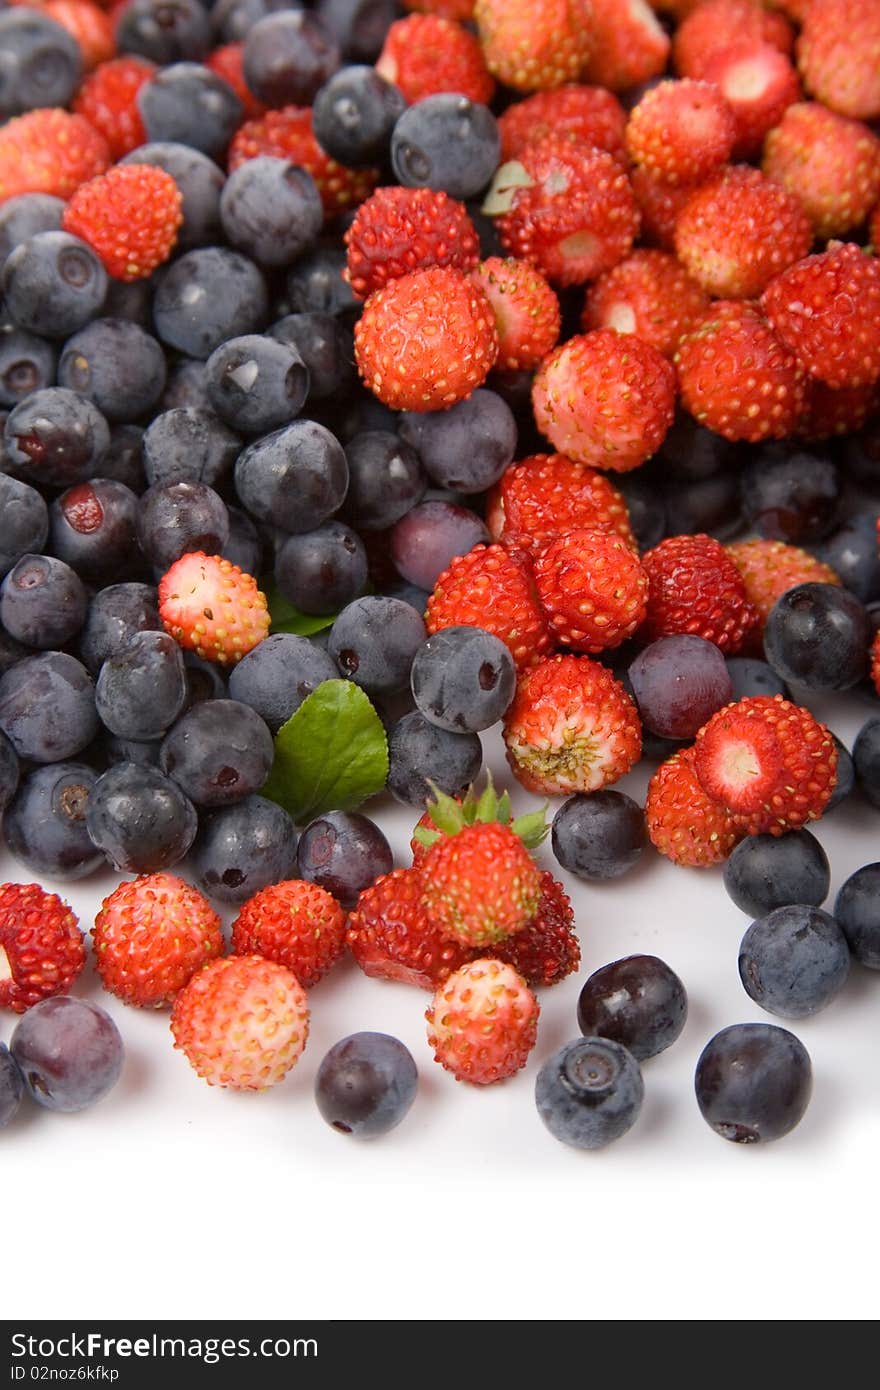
x=487 y=806
x=444 y=811
x=330 y=755
x=531 y=828
x=286 y=618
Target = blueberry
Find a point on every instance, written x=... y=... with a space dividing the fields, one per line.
x=468 y=447
x=294 y=478
x=420 y=753
x=326 y=347
x=426 y=540
x=40 y=62
x=25 y=216
x=315 y=284
x=131 y=301
x=359 y=26
x=10 y=651
x=242 y=848
x=122 y=460
x=768 y=871
x=280 y=672
x=189 y=444
x=678 y=683
x=188 y=104
x=113 y=750
x=374 y=641
x=794 y=960
x=589 y=1093
x=92 y=529
x=287 y=57
x=140 y=819
x=271 y=209
x=164 y=30
x=115 y=614
x=200 y=182
x=322 y=570
x=207 y=296
x=53 y=284
x=141 y=689
x=354 y=114
x=185 y=386
x=862 y=456
x=857 y=912
x=43 y=602
x=791 y=496
x=11 y=1086
x=245 y=544
x=447 y=143
x=47 y=707
x=637 y=1002
x=174 y=518
x=463 y=679
x=709 y=506
x=70 y=1053
x=749 y=676
x=647 y=513
x=27 y=363
x=753 y=1082
x=866 y=760
x=56 y=438
x=818 y=636
x=846 y=776
x=386 y=479
x=255 y=383
x=219 y=752
x=233 y=18
x=25 y=522
x=853 y=555
x=600 y=835
x=343 y=852
x=9 y=771
x=116 y=365
x=45 y=824
x=690 y=452
x=366 y=1084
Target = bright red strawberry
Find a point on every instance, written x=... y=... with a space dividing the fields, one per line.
x=490 y=589
x=738 y=378
x=398 y=230
x=738 y=231
x=532 y=45
x=546 y=949
x=543 y=496
x=49 y=151
x=151 y=936
x=769 y=568
x=592 y=588
x=717 y=24
x=682 y=131
x=694 y=587
x=227 y=62
x=875 y=662
x=479 y=885
x=828 y=414
x=87 y=24
x=589 y=115
x=41 y=947
x=211 y=607
x=826 y=309
x=605 y=399
x=631 y=45
x=108 y=101
x=649 y=294
x=567 y=208
x=685 y=824
x=659 y=204
x=829 y=163
x=769 y=761
x=390 y=936
x=526 y=310
x=130 y=216
x=241 y=1022
x=483 y=1022
x=758 y=83
x=287 y=134
x=426 y=340
x=424 y=55
x=571 y=727
x=838 y=54
x=446 y=9
x=294 y=923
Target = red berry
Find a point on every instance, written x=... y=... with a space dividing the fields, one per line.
x=769 y=568
x=425 y=54
x=543 y=496
x=631 y=45
x=694 y=587
x=685 y=824
x=398 y=230
x=829 y=163
x=490 y=589
x=826 y=309
x=41 y=947
x=294 y=923
x=483 y=1022
x=130 y=216
x=49 y=151
x=479 y=885
x=446 y=9
x=589 y=115
x=592 y=588
x=287 y=134
x=526 y=311
x=758 y=83
x=212 y=608
x=828 y=413
x=681 y=131
x=659 y=204
x=838 y=55
x=716 y=24
x=227 y=62
x=650 y=295
x=875 y=662
x=547 y=948
x=151 y=936
x=391 y=938
x=108 y=101
x=535 y=44
x=88 y=24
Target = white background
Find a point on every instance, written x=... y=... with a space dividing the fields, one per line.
x=174 y=1199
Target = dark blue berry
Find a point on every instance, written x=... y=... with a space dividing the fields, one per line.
x=117 y=365
x=637 y=1002
x=115 y=614
x=861 y=456
x=343 y=852
x=465 y=448
x=200 y=182
x=366 y=1084
x=207 y=296
x=708 y=506
x=27 y=363
x=122 y=460
x=647 y=513
x=846 y=776
x=141 y=689
x=280 y=672
x=185 y=386
x=852 y=553
x=56 y=438
x=753 y=1082
x=189 y=444
x=70 y=1053
x=25 y=216
x=233 y=18
x=242 y=848
x=315 y=284
x=288 y=57
x=749 y=676
x=53 y=284
x=857 y=912
x=11 y=1086
x=420 y=753
x=43 y=602
x=359 y=26
x=794 y=960
x=174 y=518
x=219 y=752
x=600 y=835
x=866 y=760
x=791 y=496
x=589 y=1093
x=245 y=544
x=131 y=301
x=25 y=522
x=678 y=683
x=45 y=824
x=164 y=31
x=690 y=452
x=255 y=383
x=188 y=104
x=425 y=541
x=47 y=707
x=386 y=479
x=204 y=680
x=92 y=529
x=40 y=62
x=354 y=114
x=769 y=871
x=447 y=143
x=326 y=346
x=140 y=819
x=294 y=478
x=463 y=679
x=322 y=570
x=818 y=635
x=374 y=641
x=112 y=750
x=9 y=771
x=271 y=210
x=10 y=651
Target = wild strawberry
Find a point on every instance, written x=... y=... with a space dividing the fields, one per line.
x=108 y=100
x=241 y=1022
x=738 y=231
x=287 y=134
x=446 y=9
x=769 y=568
x=838 y=54
x=526 y=311
x=87 y=24
x=294 y=923
x=535 y=44
x=631 y=46
x=151 y=936
x=49 y=151
x=41 y=946
x=589 y=115
x=227 y=62
x=479 y=885
x=659 y=204
x=130 y=216
x=737 y=377
x=826 y=309
x=828 y=414
x=650 y=295
x=767 y=760
x=717 y=24
x=212 y=608
x=547 y=948
x=694 y=587
x=543 y=496
x=681 y=131
x=685 y=824
x=875 y=662
x=571 y=727
x=424 y=55
x=567 y=208
x=490 y=589
x=483 y=1022
x=426 y=340
x=390 y=936
x=829 y=163
x=398 y=230
x=758 y=83
x=605 y=399
x=592 y=588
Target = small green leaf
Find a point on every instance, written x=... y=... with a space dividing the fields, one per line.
x=531 y=828
x=444 y=811
x=330 y=755
x=287 y=618
x=426 y=837
x=505 y=810
x=487 y=806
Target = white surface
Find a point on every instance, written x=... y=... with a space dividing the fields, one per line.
x=174 y=1199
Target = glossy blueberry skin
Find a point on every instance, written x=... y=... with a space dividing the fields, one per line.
x=818 y=635
x=322 y=570
x=116 y=365
x=599 y=835
x=358 y=26
x=27 y=363
x=11 y=1086
x=326 y=347
x=768 y=871
x=463 y=679
x=419 y=752
x=690 y=452
x=425 y=541
x=386 y=479
x=753 y=1082
x=140 y=819
x=866 y=759
x=709 y=506
x=188 y=104
x=53 y=284
x=647 y=513
x=45 y=823
x=791 y=496
x=9 y=771
x=366 y=1084
x=857 y=911
x=121 y=461
x=206 y=296
x=231 y=19
x=846 y=776
x=315 y=284
x=92 y=529
x=255 y=383
x=165 y=31
x=70 y=1053
x=589 y=1093
x=354 y=114
x=200 y=182
x=47 y=707
x=749 y=676
x=679 y=682
x=271 y=210
x=447 y=143
x=115 y=614
x=294 y=478
x=189 y=444
x=219 y=752
x=853 y=554
x=25 y=216
x=343 y=852
x=174 y=518
x=56 y=438
x=637 y=1002
x=374 y=641
x=40 y=62
x=794 y=961
x=242 y=848
x=43 y=602
x=288 y=57
x=25 y=522
x=185 y=386
x=468 y=447
x=141 y=689
x=280 y=672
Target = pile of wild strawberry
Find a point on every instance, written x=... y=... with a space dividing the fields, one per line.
x=638 y=237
